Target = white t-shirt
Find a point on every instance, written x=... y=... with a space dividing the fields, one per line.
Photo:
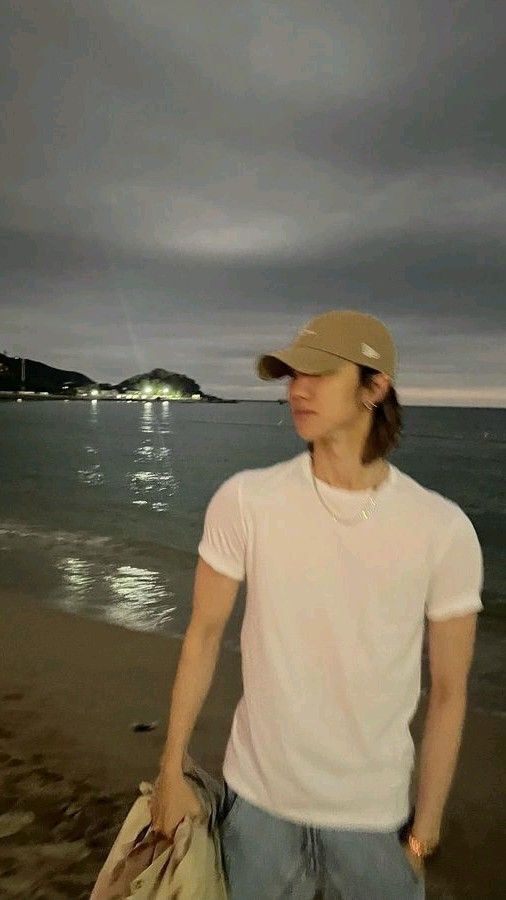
x=331 y=639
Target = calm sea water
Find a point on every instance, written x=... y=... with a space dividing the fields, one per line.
x=102 y=504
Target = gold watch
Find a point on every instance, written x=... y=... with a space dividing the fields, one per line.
x=420 y=848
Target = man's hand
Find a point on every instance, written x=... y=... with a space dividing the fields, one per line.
x=417 y=864
x=173 y=798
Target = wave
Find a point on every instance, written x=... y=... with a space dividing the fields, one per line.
x=96 y=544
x=57 y=536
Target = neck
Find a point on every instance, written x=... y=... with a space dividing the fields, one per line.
x=350 y=474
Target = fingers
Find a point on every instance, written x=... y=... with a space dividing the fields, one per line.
x=168 y=833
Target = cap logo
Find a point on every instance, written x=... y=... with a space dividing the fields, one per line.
x=369 y=351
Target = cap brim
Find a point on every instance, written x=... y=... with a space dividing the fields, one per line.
x=302 y=359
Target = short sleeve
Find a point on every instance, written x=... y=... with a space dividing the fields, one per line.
x=456 y=581
x=223 y=542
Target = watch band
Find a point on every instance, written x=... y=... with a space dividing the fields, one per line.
x=420 y=848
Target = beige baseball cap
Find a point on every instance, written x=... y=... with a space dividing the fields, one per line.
x=326 y=341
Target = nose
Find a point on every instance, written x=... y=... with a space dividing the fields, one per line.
x=300 y=394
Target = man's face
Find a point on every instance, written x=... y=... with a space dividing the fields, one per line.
x=322 y=404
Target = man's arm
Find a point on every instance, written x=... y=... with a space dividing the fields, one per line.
x=450 y=650
x=214 y=596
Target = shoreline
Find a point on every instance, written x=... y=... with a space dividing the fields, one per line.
x=71 y=690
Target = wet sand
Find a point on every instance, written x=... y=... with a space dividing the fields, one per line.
x=70 y=763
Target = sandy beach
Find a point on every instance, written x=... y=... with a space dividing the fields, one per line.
x=70 y=762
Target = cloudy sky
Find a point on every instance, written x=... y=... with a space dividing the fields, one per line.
x=184 y=184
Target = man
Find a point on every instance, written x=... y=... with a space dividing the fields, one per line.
x=344 y=556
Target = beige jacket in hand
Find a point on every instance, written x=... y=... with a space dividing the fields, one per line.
x=143 y=865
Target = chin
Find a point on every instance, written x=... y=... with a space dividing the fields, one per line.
x=306 y=430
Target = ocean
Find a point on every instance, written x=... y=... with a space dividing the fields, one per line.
x=102 y=503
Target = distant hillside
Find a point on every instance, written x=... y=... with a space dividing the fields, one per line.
x=38 y=376
x=159 y=378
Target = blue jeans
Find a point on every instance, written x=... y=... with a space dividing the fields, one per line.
x=268 y=858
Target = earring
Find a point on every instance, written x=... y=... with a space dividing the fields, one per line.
x=369 y=405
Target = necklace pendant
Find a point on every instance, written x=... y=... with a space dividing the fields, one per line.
x=365 y=512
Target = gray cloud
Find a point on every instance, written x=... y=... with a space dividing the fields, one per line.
x=185 y=184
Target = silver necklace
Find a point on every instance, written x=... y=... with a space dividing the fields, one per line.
x=366 y=511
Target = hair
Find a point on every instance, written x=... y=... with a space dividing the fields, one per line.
x=387 y=421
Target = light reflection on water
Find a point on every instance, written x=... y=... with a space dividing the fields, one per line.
x=130 y=596
x=152 y=483
x=92 y=473
x=136 y=597
x=77 y=575
x=153 y=486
